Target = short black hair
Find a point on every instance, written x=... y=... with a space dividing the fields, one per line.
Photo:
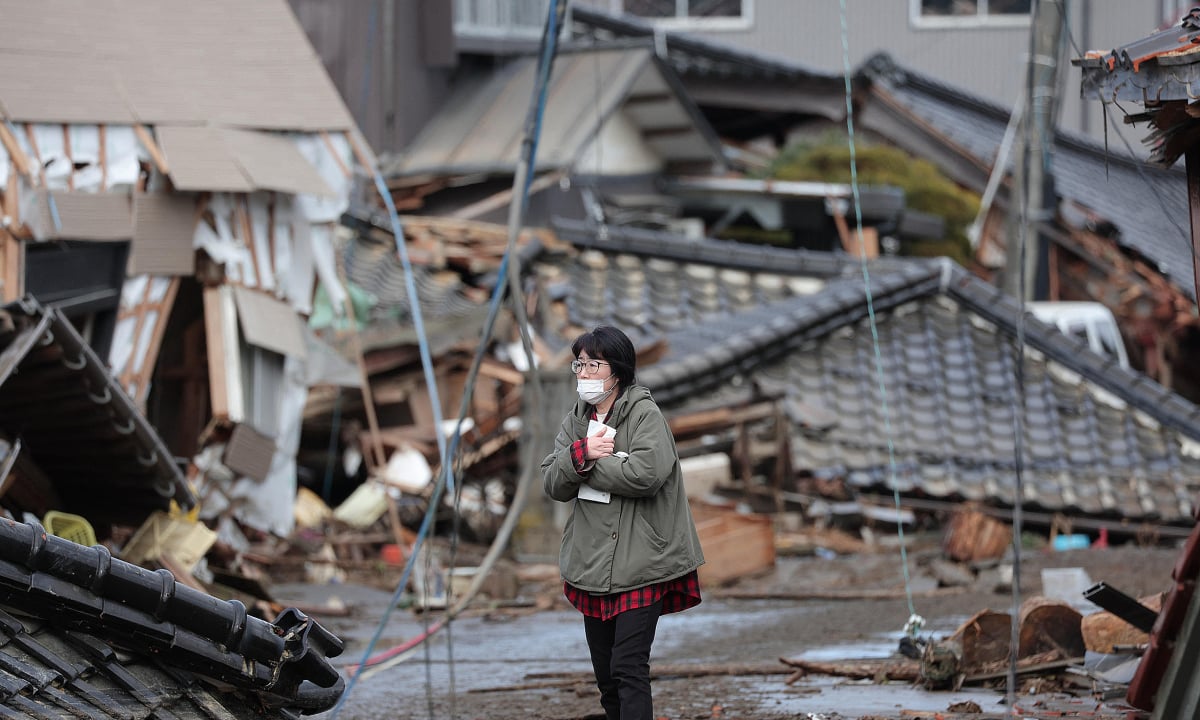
x=609 y=344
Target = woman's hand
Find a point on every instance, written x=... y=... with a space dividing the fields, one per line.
x=599 y=446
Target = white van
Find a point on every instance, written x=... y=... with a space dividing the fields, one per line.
x=1091 y=321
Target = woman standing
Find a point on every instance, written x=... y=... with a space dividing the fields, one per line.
x=630 y=549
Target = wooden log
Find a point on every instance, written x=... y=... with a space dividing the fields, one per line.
x=973 y=536
x=1049 y=625
x=1103 y=631
x=985 y=639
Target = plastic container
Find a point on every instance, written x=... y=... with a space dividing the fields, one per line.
x=69 y=527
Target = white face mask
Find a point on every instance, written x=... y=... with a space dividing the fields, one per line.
x=592 y=391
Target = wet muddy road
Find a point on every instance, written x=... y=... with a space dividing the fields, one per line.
x=524 y=664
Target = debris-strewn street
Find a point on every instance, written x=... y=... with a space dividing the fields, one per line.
x=723 y=659
x=295 y=293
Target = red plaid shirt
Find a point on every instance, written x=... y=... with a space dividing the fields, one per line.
x=677 y=595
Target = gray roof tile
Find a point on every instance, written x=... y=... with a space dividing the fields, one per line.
x=947 y=347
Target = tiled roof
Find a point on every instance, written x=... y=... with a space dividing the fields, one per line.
x=71 y=417
x=650 y=282
x=1098 y=439
x=85 y=635
x=1144 y=202
x=693 y=54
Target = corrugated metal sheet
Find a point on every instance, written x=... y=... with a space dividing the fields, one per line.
x=481 y=128
x=207 y=158
x=273 y=162
x=163 y=226
x=269 y=323
x=82 y=216
x=125 y=61
x=249 y=452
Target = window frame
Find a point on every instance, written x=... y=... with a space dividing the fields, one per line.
x=979 y=20
x=745 y=21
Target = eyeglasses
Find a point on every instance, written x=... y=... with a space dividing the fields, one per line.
x=593 y=366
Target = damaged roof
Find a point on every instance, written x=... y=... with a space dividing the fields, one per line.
x=1160 y=71
x=90 y=636
x=1098 y=439
x=947 y=124
x=78 y=427
x=726 y=80
x=481 y=127
x=455 y=264
x=167 y=62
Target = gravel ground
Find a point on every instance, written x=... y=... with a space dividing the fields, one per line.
x=525 y=663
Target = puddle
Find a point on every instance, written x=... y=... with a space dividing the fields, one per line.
x=818 y=694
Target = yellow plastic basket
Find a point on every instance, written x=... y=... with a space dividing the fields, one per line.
x=69 y=527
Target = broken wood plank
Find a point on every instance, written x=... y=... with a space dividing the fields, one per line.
x=156 y=154
x=19 y=158
x=499 y=371
x=1025 y=667
x=973 y=536
x=878 y=670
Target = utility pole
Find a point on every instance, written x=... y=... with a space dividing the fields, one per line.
x=1032 y=179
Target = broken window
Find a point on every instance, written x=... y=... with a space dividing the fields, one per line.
x=972 y=11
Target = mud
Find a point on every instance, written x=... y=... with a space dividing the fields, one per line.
x=509 y=664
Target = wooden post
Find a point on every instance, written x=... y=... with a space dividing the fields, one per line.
x=1192 y=160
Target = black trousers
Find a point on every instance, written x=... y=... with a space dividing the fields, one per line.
x=620 y=650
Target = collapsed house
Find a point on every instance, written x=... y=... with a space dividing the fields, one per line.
x=180 y=212
x=934 y=420
x=1158 y=71
x=1129 y=252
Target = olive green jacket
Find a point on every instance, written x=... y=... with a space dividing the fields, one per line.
x=645 y=534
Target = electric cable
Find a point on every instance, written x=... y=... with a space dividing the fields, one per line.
x=509 y=270
x=1168 y=213
x=915 y=622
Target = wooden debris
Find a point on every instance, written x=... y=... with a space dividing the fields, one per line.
x=973 y=536
x=1103 y=631
x=804 y=542
x=870 y=669
x=735 y=544
x=1049 y=625
x=941 y=665
x=984 y=639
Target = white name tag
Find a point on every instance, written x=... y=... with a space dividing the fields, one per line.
x=587 y=492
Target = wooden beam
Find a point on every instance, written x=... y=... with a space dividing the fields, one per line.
x=66 y=130
x=333 y=152
x=13 y=267
x=150 y=359
x=102 y=157
x=37 y=154
x=218 y=387
x=19 y=158
x=160 y=160
x=359 y=153
x=1192 y=159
